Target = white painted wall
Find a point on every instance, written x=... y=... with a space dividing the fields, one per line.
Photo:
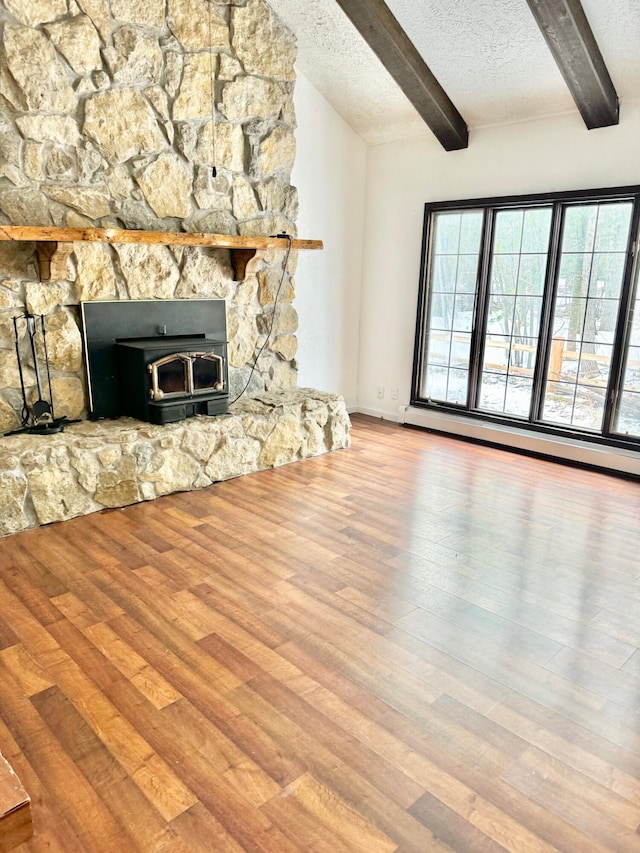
x=551 y=154
x=329 y=173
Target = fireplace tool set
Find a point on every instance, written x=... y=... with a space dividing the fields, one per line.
x=37 y=417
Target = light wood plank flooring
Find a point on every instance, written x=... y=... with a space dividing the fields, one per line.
x=415 y=644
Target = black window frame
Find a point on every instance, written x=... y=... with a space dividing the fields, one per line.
x=558 y=201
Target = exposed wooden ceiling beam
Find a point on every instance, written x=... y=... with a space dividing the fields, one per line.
x=390 y=43
x=567 y=32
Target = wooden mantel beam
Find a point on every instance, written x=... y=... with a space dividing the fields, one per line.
x=568 y=34
x=384 y=35
x=166 y=238
x=52 y=258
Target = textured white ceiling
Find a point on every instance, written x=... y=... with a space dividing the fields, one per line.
x=489 y=56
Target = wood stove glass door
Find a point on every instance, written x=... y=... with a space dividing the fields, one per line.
x=207 y=372
x=170 y=376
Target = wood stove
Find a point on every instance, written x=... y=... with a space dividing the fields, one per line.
x=156 y=360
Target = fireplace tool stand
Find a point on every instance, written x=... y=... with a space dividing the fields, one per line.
x=38 y=417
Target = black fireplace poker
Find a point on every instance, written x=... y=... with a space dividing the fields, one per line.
x=38 y=417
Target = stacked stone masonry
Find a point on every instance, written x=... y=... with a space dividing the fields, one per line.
x=93 y=465
x=106 y=120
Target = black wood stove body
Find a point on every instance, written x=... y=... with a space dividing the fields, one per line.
x=156 y=360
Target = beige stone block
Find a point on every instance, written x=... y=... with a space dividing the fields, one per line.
x=214 y=222
x=245 y=293
x=9 y=373
x=119 y=485
x=167 y=184
x=149 y=271
x=229 y=67
x=43 y=298
x=85 y=463
x=146 y=13
x=135 y=57
x=173 y=64
x=314 y=411
x=57 y=496
x=285 y=320
x=13 y=174
x=112 y=491
x=283 y=444
x=158 y=99
x=276 y=195
x=243 y=338
x=313 y=442
x=249 y=97
x=200 y=438
x=12 y=497
x=120 y=183
x=25 y=206
x=194 y=97
x=245 y=203
x=265 y=226
x=205 y=275
x=197 y=25
x=9 y=90
x=109 y=455
x=258 y=426
x=277 y=152
x=78 y=41
x=210 y=192
x=64 y=342
x=172 y=471
x=95 y=277
x=9 y=418
x=98 y=11
x=36 y=69
x=61 y=164
x=68 y=396
x=269 y=284
x=122 y=124
x=31 y=13
x=10 y=147
x=262 y=43
x=225 y=144
x=233 y=458
x=288 y=112
x=282 y=376
x=340 y=430
x=11 y=297
x=92 y=202
x=17 y=261
x=286 y=346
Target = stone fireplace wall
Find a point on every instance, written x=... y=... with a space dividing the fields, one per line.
x=106 y=120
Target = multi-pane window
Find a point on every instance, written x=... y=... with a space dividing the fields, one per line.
x=456 y=249
x=530 y=311
x=516 y=287
x=628 y=414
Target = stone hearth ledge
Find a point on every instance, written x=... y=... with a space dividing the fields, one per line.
x=94 y=465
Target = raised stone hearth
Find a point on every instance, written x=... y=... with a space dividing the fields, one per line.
x=97 y=464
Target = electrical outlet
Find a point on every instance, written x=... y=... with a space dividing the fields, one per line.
x=394 y=392
x=380 y=392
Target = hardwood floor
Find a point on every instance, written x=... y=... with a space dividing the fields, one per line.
x=416 y=644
